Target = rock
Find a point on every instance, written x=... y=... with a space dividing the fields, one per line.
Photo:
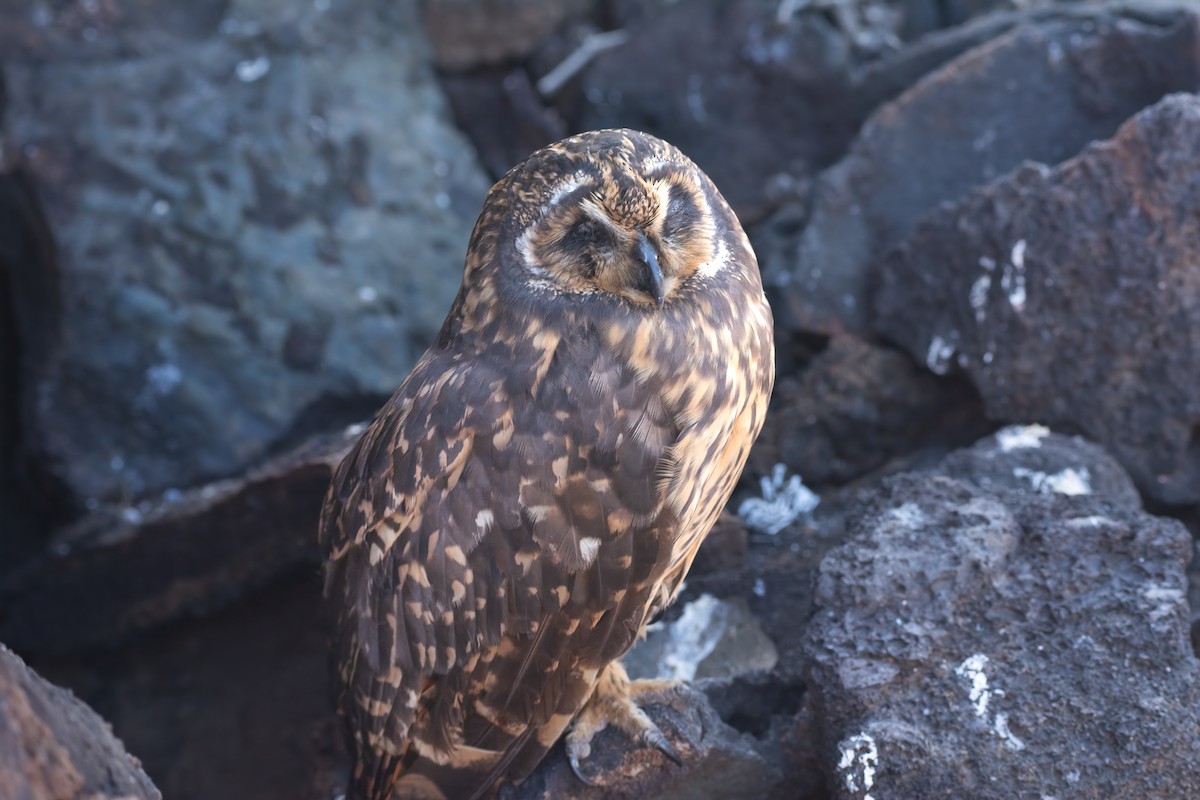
x=235 y=705
x=467 y=33
x=854 y=407
x=1006 y=642
x=123 y=571
x=242 y=205
x=23 y=498
x=718 y=762
x=965 y=124
x=724 y=548
x=501 y=112
x=53 y=747
x=1070 y=296
x=711 y=638
x=1021 y=458
x=737 y=83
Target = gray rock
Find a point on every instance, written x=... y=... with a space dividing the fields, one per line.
x=1005 y=643
x=1041 y=92
x=1021 y=458
x=245 y=207
x=1070 y=296
x=52 y=746
x=711 y=638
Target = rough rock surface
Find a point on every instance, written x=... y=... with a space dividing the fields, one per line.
x=1041 y=92
x=1071 y=296
x=719 y=762
x=53 y=747
x=125 y=571
x=853 y=407
x=244 y=199
x=467 y=33
x=736 y=82
x=1002 y=642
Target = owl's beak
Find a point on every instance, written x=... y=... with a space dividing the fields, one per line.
x=650 y=280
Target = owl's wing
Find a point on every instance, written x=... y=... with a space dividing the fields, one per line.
x=490 y=536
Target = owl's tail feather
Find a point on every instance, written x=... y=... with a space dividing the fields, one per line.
x=374 y=779
x=470 y=774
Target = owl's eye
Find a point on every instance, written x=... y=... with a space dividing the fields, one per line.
x=587 y=233
x=682 y=214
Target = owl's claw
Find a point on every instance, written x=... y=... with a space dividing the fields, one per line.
x=614 y=702
x=654 y=737
x=577 y=749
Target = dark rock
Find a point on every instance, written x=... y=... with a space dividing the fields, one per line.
x=1006 y=643
x=501 y=112
x=123 y=571
x=737 y=82
x=718 y=762
x=242 y=208
x=724 y=547
x=27 y=496
x=854 y=407
x=1040 y=92
x=53 y=747
x=1070 y=296
x=235 y=706
x=467 y=33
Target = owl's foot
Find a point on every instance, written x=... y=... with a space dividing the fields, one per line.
x=615 y=702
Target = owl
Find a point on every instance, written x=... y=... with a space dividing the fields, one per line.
x=538 y=486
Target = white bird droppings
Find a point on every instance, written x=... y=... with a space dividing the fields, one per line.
x=783 y=501
x=693 y=637
x=938 y=357
x=251 y=70
x=1013 y=279
x=1070 y=481
x=1019 y=437
x=979 y=295
x=860 y=758
x=980 y=694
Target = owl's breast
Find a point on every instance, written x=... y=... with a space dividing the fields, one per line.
x=712 y=365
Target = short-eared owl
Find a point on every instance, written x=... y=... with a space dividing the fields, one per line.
x=538 y=486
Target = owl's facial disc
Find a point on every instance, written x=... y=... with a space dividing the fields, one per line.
x=639 y=238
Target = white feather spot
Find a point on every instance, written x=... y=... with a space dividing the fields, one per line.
x=589 y=546
x=715 y=264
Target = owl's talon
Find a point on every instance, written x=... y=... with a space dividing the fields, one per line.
x=615 y=702
x=577 y=749
x=654 y=738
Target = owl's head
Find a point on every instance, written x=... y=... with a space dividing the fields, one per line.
x=613 y=213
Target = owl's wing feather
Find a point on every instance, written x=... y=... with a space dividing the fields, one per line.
x=489 y=537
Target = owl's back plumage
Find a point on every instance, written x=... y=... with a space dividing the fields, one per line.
x=537 y=487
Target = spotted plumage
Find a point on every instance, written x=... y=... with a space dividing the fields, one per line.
x=538 y=486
